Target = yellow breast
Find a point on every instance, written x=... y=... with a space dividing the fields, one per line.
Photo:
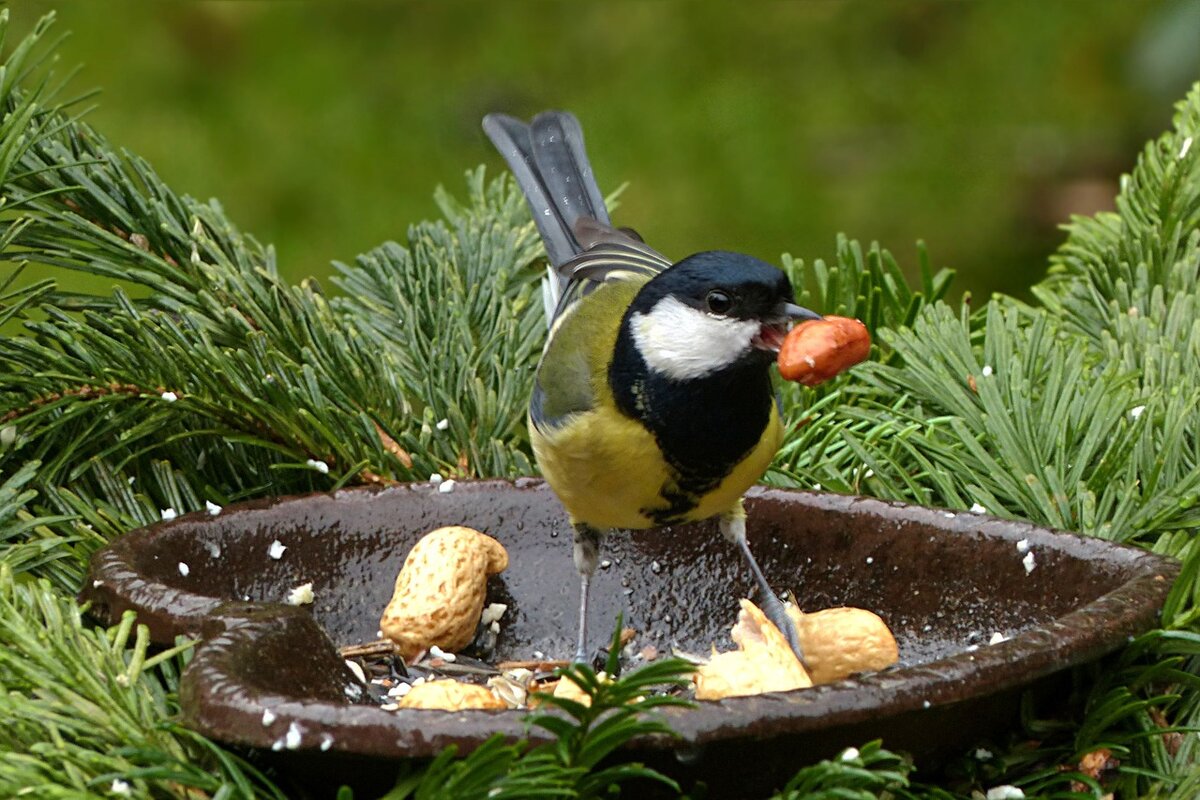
x=609 y=472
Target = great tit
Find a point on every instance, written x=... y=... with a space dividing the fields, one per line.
x=652 y=403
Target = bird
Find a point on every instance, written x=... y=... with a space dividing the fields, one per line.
x=652 y=403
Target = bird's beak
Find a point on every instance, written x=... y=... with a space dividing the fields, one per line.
x=793 y=311
x=771 y=335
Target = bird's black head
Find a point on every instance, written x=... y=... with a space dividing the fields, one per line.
x=711 y=311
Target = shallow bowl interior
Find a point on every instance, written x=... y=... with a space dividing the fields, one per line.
x=945 y=582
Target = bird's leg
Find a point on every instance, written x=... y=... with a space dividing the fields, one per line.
x=733 y=527
x=587 y=555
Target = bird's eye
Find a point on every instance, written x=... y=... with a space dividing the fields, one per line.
x=719 y=302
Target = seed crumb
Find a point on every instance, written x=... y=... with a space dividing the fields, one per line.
x=302 y=595
x=357 y=669
x=293 y=737
x=276 y=549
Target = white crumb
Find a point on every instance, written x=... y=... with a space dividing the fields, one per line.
x=292 y=737
x=302 y=595
x=1005 y=792
x=437 y=652
x=492 y=613
x=276 y=549
x=354 y=667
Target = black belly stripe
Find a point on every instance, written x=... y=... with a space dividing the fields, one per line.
x=704 y=427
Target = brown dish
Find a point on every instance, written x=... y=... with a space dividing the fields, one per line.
x=269 y=676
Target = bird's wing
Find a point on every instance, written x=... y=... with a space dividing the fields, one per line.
x=617 y=257
x=573 y=375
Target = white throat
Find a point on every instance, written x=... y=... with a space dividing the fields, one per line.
x=685 y=343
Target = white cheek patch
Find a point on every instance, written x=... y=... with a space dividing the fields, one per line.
x=684 y=343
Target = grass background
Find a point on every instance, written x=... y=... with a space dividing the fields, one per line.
x=764 y=127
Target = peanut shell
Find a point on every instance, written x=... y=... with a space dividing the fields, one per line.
x=763 y=662
x=440 y=591
x=839 y=642
x=450 y=695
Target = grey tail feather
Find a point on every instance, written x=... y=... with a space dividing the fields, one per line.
x=551 y=166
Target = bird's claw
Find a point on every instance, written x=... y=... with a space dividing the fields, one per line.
x=775 y=610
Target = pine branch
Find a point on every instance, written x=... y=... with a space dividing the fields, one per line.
x=1134 y=262
x=246 y=384
x=84 y=709
x=1076 y=414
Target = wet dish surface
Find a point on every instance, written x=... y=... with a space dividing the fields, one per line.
x=947 y=583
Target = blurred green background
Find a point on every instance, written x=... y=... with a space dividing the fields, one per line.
x=762 y=127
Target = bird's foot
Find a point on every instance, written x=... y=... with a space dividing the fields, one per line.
x=776 y=611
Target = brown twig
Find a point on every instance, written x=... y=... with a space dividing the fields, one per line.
x=533 y=665
x=393 y=447
x=85 y=392
x=379 y=647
